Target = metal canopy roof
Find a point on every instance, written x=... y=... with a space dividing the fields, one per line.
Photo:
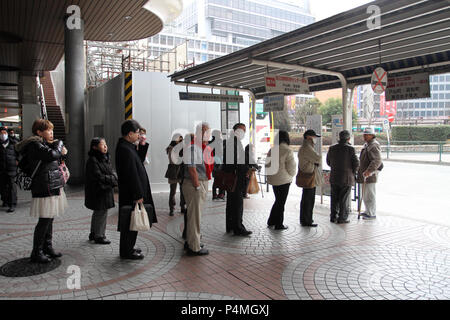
x=414 y=37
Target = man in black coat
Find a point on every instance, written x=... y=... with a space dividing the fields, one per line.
x=234 y=159
x=8 y=170
x=134 y=187
x=344 y=163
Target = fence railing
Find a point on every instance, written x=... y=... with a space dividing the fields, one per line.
x=426 y=149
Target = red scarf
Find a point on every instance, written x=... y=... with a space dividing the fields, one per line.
x=208 y=158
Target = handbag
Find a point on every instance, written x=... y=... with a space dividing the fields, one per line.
x=125 y=211
x=253 y=187
x=64 y=171
x=139 y=218
x=305 y=180
x=25 y=181
x=225 y=180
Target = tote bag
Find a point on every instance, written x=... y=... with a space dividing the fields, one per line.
x=253 y=187
x=139 y=219
x=305 y=180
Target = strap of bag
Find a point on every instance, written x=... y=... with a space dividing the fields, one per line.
x=35 y=169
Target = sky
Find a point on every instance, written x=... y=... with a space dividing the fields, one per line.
x=322 y=9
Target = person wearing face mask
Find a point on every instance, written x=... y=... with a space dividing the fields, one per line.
x=234 y=160
x=309 y=162
x=8 y=168
x=99 y=188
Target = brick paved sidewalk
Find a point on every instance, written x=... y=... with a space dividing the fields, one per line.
x=389 y=258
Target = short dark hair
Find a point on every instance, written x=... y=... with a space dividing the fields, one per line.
x=283 y=136
x=237 y=125
x=129 y=126
x=344 y=135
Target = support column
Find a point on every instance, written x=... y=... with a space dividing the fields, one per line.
x=75 y=82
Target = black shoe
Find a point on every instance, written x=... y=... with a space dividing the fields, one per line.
x=270 y=225
x=102 y=241
x=183 y=210
x=282 y=227
x=333 y=220
x=134 y=256
x=186 y=246
x=137 y=250
x=313 y=225
x=11 y=209
x=201 y=252
x=39 y=257
x=91 y=237
x=51 y=253
x=343 y=221
x=243 y=233
x=171 y=212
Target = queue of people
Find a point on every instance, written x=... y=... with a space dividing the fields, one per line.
x=192 y=163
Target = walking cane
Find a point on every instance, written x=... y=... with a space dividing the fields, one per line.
x=260 y=183
x=362 y=197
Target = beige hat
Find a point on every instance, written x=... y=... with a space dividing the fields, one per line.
x=369 y=130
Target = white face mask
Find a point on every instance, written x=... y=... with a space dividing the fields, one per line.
x=4 y=136
x=240 y=134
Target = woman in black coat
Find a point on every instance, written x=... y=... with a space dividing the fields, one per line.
x=134 y=187
x=43 y=155
x=99 y=188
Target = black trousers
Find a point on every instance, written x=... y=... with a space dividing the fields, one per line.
x=339 y=196
x=276 y=217
x=235 y=208
x=307 y=206
x=127 y=242
x=43 y=234
x=173 y=192
x=8 y=190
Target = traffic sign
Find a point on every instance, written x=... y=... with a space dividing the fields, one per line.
x=379 y=80
x=385 y=124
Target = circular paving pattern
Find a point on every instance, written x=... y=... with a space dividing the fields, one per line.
x=167 y=295
x=438 y=234
x=369 y=273
x=100 y=265
x=25 y=268
x=264 y=240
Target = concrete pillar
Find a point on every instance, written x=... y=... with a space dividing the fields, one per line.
x=75 y=82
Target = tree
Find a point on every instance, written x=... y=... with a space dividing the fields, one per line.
x=308 y=108
x=331 y=107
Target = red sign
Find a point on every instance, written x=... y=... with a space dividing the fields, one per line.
x=270 y=82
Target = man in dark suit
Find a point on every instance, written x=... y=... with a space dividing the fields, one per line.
x=344 y=163
x=8 y=170
x=133 y=187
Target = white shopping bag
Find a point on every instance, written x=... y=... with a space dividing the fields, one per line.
x=139 y=219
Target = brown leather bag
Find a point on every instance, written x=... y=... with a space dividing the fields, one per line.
x=305 y=180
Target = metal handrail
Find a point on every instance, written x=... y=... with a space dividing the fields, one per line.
x=42 y=100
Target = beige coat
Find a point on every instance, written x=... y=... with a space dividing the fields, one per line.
x=286 y=168
x=307 y=158
x=370 y=160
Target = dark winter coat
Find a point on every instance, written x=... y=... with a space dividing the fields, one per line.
x=344 y=163
x=8 y=158
x=99 y=182
x=133 y=180
x=48 y=179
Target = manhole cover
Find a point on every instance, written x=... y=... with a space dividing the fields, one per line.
x=25 y=268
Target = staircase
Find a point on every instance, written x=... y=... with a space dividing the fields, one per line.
x=54 y=113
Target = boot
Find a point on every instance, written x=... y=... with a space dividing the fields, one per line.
x=38 y=256
x=48 y=248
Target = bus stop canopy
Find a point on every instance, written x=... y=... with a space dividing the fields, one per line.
x=341 y=51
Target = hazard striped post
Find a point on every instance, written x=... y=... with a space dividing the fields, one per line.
x=128 y=96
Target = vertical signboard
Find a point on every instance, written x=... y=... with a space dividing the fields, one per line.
x=337 y=125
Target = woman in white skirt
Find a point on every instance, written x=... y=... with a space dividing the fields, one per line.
x=48 y=197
